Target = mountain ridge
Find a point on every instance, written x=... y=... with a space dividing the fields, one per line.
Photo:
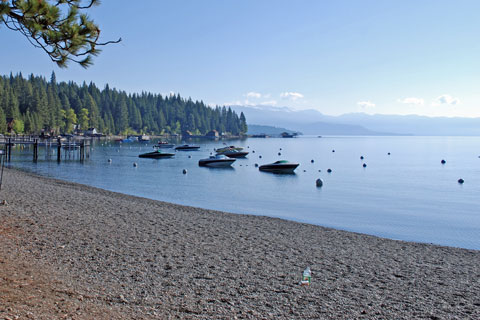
x=312 y=121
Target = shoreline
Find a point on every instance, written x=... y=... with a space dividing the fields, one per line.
x=149 y=259
x=34 y=174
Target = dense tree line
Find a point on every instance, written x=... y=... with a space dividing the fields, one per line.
x=38 y=105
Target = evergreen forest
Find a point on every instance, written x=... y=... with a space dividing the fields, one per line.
x=33 y=105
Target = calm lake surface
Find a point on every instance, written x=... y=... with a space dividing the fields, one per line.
x=407 y=195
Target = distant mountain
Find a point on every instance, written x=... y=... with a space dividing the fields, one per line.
x=268 y=130
x=316 y=123
x=310 y=122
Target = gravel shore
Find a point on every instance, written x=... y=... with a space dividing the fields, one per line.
x=76 y=252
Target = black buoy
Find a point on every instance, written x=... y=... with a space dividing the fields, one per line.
x=361 y=157
x=184 y=171
x=333 y=150
x=319 y=182
x=461 y=181
x=312 y=161
x=304 y=170
x=260 y=157
x=253 y=151
x=443 y=161
x=280 y=149
x=364 y=165
x=388 y=153
x=135 y=164
x=256 y=165
x=109 y=160
x=279 y=154
x=329 y=170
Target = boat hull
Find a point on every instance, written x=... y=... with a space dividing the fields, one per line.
x=164 y=145
x=189 y=148
x=156 y=155
x=216 y=163
x=237 y=154
x=225 y=149
x=279 y=168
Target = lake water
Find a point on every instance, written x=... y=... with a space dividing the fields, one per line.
x=407 y=195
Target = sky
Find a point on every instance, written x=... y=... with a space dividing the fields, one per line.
x=337 y=57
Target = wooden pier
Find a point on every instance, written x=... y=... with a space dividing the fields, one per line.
x=69 y=147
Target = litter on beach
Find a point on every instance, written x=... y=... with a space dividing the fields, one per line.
x=306 y=277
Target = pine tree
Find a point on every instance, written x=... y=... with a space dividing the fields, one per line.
x=58 y=27
x=3 y=121
x=243 y=123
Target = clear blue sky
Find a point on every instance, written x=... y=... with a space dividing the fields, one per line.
x=390 y=57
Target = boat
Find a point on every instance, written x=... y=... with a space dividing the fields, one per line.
x=228 y=148
x=157 y=154
x=163 y=144
x=280 y=166
x=187 y=147
x=288 y=135
x=143 y=138
x=217 y=161
x=233 y=153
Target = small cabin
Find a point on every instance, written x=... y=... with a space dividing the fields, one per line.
x=213 y=134
x=187 y=134
x=92 y=132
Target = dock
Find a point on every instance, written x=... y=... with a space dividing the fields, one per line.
x=70 y=146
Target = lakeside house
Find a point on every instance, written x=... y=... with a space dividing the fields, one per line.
x=214 y=134
x=92 y=132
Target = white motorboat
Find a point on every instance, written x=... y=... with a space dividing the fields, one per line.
x=216 y=161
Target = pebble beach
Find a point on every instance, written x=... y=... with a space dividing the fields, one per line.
x=70 y=251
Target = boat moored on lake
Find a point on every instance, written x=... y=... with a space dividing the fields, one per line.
x=157 y=154
x=218 y=161
x=187 y=147
x=280 y=166
x=232 y=153
x=164 y=145
x=220 y=150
